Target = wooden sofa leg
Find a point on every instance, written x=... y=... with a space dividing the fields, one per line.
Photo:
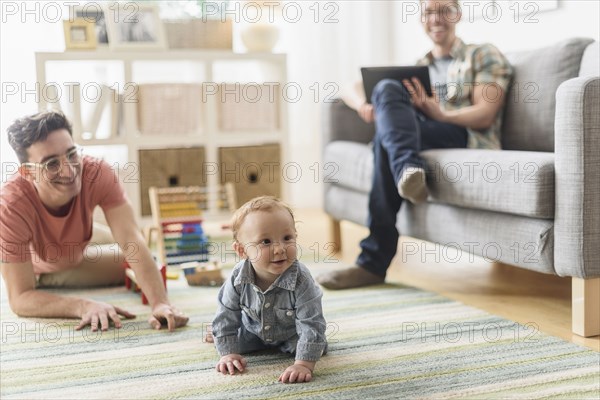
x=586 y=306
x=336 y=234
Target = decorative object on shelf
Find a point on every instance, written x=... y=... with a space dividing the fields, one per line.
x=259 y=36
x=135 y=26
x=106 y=100
x=94 y=13
x=169 y=108
x=197 y=24
x=259 y=30
x=253 y=170
x=79 y=34
x=199 y=34
x=255 y=110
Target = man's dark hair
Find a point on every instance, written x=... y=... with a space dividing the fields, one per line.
x=35 y=128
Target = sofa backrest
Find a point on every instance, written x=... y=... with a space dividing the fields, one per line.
x=531 y=102
x=590 y=62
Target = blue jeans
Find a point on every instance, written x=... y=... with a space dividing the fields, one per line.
x=401 y=133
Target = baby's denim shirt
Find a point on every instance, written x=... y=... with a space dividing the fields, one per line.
x=289 y=311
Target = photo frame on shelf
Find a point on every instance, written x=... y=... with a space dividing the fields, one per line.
x=94 y=13
x=79 y=34
x=134 y=26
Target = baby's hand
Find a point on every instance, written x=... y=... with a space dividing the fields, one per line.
x=300 y=372
x=230 y=362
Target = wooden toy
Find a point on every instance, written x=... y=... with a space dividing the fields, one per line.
x=181 y=242
x=203 y=274
x=132 y=283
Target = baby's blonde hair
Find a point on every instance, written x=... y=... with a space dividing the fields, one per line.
x=262 y=203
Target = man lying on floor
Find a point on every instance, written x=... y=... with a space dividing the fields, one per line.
x=46 y=230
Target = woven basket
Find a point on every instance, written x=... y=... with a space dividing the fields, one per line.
x=198 y=34
x=242 y=109
x=169 y=108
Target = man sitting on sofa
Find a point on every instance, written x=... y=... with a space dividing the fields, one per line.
x=467 y=112
x=46 y=231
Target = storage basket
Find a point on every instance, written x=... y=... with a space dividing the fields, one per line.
x=169 y=108
x=248 y=107
x=199 y=34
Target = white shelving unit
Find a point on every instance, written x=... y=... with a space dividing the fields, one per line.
x=116 y=69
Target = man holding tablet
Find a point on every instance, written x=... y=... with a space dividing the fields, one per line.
x=470 y=82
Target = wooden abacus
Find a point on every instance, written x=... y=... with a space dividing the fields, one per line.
x=181 y=242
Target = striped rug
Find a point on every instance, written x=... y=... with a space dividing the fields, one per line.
x=386 y=342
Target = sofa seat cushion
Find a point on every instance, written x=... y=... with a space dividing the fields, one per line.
x=513 y=182
x=349 y=164
x=498 y=237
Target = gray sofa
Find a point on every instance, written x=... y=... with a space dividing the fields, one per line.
x=535 y=204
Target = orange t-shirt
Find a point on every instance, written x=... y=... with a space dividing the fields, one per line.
x=29 y=232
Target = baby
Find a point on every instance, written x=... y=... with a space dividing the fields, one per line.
x=270 y=300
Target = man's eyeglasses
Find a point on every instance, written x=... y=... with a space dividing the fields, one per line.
x=53 y=165
x=447 y=11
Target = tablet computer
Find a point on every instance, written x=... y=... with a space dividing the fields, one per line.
x=372 y=75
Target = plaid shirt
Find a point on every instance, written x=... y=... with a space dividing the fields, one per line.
x=475 y=65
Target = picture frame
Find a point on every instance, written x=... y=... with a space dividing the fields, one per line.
x=93 y=12
x=79 y=34
x=134 y=26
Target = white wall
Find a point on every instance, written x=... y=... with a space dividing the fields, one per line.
x=328 y=52
x=532 y=27
x=20 y=37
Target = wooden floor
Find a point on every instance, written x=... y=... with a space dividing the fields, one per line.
x=509 y=292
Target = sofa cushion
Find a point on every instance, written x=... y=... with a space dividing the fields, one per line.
x=590 y=62
x=513 y=182
x=525 y=242
x=530 y=103
x=349 y=164
x=346 y=204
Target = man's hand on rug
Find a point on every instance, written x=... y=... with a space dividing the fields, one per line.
x=230 y=362
x=95 y=313
x=300 y=372
x=165 y=312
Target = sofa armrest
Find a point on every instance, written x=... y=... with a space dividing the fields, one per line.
x=340 y=122
x=577 y=175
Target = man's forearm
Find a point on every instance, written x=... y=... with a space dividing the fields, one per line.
x=37 y=303
x=354 y=96
x=474 y=117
